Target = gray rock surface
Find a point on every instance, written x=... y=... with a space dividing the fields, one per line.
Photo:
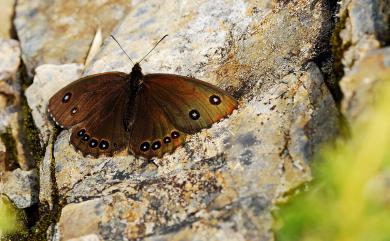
x=365 y=31
x=10 y=100
x=21 y=187
x=10 y=56
x=360 y=86
x=366 y=24
x=10 y=61
x=61 y=31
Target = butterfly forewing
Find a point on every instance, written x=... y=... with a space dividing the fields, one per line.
x=190 y=104
x=78 y=100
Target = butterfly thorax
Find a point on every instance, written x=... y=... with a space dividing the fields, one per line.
x=136 y=77
x=134 y=85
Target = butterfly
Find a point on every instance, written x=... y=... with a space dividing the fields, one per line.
x=149 y=115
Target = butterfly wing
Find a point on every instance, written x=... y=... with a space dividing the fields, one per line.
x=76 y=101
x=103 y=131
x=93 y=106
x=189 y=103
x=152 y=133
x=169 y=107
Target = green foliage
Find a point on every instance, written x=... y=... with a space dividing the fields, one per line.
x=349 y=198
x=11 y=220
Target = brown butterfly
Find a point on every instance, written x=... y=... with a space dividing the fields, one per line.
x=148 y=114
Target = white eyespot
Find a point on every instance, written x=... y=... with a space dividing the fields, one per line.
x=74 y=111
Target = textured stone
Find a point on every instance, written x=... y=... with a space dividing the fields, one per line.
x=61 y=31
x=360 y=86
x=365 y=62
x=6 y=14
x=221 y=185
x=9 y=86
x=366 y=28
x=10 y=59
x=10 y=109
x=21 y=187
x=3 y=164
x=45 y=178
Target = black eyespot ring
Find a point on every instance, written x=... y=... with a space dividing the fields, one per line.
x=93 y=143
x=175 y=134
x=81 y=133
x=194 y=114
x=66 y=97
x=167 y=140
x=104 y=145
x=156 y=145
x=215 y=100
x=86 y=137
x=73 y=111
x=145 y=146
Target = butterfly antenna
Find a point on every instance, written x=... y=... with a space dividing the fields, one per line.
x=153 y=47
x=112 y=36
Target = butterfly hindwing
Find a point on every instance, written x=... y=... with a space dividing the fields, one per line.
x=190 y=104
x=103 y=131
x=76 y=101
x=152 y=133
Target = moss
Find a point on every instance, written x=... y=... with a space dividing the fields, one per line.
x=29 y=129
x=338 y=49
x=11 y=154
x=48 y=217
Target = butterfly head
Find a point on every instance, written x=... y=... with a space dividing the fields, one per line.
x=136 y=68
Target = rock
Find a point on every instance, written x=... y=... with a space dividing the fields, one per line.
x=221 y=185
x=61 y=32
x=366 y=28
x=10 y=56
x=45 y=178
x=47 y=81
x=21 y=187
x=3 y=163
x=10 y=104
x=72 y=217
x=360 y=86
x=6 y=14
